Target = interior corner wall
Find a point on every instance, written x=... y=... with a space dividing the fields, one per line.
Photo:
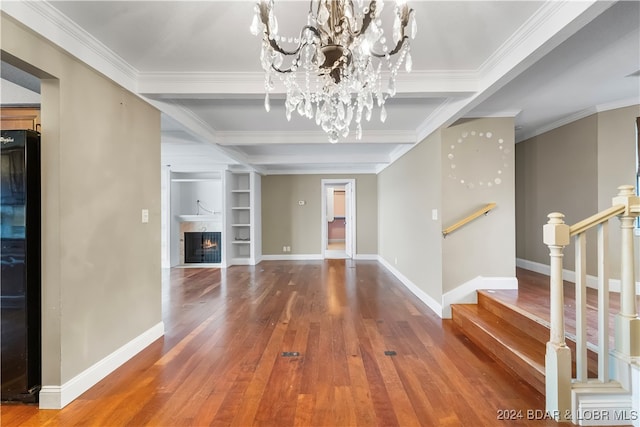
x=409 y=239
x=285 y=223
x=574 y=169
x=617 y=147
x=478 y=168
x=101 y=166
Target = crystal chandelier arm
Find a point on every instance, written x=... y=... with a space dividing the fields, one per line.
x=275 y=46
x=366 y=21
x=265 y=8
x=406 y=13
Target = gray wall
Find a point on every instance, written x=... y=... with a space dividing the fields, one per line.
x=409 y=239
x=285 y=223
x=574 y=169
x=485 y=162
x=101 y=166
x=454 y=172
x=616 y=166
x=556 y=172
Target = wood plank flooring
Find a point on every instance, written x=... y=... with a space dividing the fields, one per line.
x=221 y=361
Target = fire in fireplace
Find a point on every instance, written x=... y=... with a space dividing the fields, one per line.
x=202 y=247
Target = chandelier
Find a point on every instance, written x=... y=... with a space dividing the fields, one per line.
x=332 y=71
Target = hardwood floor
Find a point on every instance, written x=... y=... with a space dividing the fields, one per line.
x=221 y=361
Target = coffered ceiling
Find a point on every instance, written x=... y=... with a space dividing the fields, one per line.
x=543 y=62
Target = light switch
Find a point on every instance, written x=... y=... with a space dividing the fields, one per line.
x=434 y=214
x=145 y=216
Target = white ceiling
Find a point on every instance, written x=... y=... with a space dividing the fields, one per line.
x=543 y=62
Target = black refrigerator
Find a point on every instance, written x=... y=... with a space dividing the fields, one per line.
x=20 y=293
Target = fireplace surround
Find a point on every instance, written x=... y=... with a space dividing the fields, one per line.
x=202 y=247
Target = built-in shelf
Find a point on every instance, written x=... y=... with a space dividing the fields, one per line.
x=241 y=212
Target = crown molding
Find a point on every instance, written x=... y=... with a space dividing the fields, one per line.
x=551 y=25
x=313 y=137
x=623 y=103
x=578 y=115
x=197 y=127
x=324 y=170
x=47 y=21
x=445 y=114
x=220 y=84
x=487 y=114
x=302 y=159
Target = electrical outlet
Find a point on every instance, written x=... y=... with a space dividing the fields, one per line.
x=434 y=214
x=284 y=249
x=395 y=260
x=145 y=216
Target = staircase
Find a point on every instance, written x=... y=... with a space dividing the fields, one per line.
x=513 y=337
x=582 y=383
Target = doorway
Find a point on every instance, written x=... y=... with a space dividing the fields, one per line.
x=338 y=218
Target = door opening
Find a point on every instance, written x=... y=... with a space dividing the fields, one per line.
x=338 y=218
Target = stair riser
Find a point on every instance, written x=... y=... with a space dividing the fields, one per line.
x=536 y=330
x=503 y=355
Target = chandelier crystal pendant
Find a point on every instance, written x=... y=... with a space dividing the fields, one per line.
x=332 y=71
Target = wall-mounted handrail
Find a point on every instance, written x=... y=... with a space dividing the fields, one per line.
x=596 y=219
x=483 y=211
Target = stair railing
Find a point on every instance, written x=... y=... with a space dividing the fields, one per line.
x=482 y=211
x=556 y=235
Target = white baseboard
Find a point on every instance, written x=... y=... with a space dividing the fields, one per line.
x=367 y=257
x=57 y=397
x=296 y=257
x=315 y=257
x=601 y=405
x=429 y=301
x=466 y=293
x=570 y=275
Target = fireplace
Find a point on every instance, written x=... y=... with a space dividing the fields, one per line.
x=202 y=247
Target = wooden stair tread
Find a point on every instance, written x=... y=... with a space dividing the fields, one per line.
x=514 y=349
x=535 y=326
x=508 y=334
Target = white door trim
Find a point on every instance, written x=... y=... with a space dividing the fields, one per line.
x=350 y=222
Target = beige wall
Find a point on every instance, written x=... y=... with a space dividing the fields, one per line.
x=409 y=239
x=478 y=170
x=428 y=178
x=285 y=223
x=556 y=172
x=576 y=170
x=616 y=166
x=101 y=166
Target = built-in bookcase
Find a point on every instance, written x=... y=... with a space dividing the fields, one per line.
x=242 y=221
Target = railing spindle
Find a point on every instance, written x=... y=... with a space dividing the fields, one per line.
x=627 y=321
x=603 y=302
x=581 y=307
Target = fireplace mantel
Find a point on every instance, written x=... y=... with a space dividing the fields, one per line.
x=200 y=218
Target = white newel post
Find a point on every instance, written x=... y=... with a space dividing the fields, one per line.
x=558 y=355
x=627 y=322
